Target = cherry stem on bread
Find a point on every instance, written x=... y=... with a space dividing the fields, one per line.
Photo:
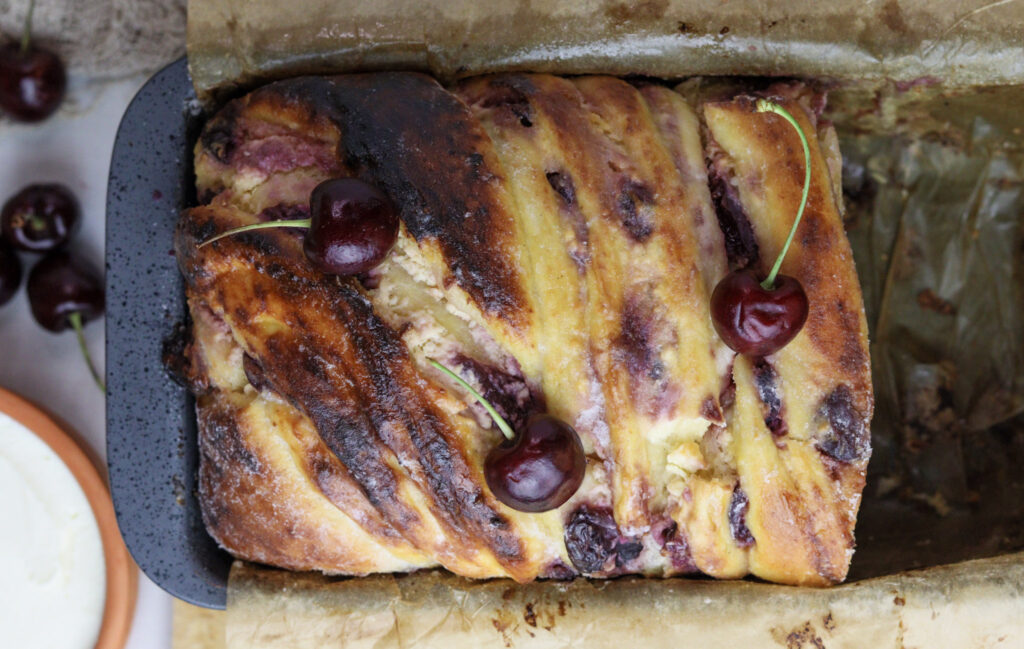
x=498 y=419
x=76 y=322
x=26 y=34
x=766 y=106
x=352 y=226
x=296 y=223
x=759 y=317
x=537 y=469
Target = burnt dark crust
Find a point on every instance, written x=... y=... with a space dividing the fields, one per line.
x=407 y=135
x=381 y=431
x=350 y=373
x=219 y=136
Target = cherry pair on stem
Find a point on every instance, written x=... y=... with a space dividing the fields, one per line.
x=64 y=292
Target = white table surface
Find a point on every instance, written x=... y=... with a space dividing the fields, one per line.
x=73 y=148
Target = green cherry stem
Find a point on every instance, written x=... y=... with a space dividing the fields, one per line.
x=498 y=419
x=37 y=222
x=766 y=106
x=297 y=223
x=76 y=322
x=26 y=33
x=33 y=220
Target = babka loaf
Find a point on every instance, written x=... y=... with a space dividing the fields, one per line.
x=559 y=243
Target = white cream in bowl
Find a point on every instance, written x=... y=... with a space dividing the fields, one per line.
x=52 y=568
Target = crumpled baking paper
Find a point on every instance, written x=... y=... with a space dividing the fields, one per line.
x=974 y=604
x=236 y=43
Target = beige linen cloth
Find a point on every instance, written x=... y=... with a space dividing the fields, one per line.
x=103 y=39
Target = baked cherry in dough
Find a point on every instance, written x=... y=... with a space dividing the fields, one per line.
x=535 y=469
x=353 y=227
x=757 y=318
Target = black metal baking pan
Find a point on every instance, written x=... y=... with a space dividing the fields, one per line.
x=151 y=431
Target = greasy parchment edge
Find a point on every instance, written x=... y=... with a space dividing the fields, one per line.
x=236 y=44
x=972 y=604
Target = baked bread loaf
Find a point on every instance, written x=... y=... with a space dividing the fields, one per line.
x=559 y=243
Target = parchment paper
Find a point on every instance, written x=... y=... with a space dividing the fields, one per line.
x=934 y=188
x=976 y=604
x=194 y=627
x=926 y=98
x=236 y=43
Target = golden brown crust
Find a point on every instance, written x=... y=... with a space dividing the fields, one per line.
x=650 y=346
x=259 y=500
x=559 y=243
x=822 y=379
x=319 y=346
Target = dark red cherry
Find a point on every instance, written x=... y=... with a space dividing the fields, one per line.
x=65 y=292
x=32 y=81
x=540 y=469
x=10 y=272
x=353 y=226
x=61 y=285
x=756 y=321
x=40 y=218
x=535 y=469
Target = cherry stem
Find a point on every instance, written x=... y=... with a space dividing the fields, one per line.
x=766 y=106
x=297 y=223
x=76 y=322
x=26 y=34
x=498 y=419
x=37 y=222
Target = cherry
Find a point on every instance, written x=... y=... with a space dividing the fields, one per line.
x=40 y=218
x=64 y=292
x=352 y=227
x=754 y=320
x=536 y=469
x=755 y=317
x=540 y=469
x=10 y=272
x=32 y=78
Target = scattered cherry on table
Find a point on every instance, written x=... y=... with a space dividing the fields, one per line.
x=352 y=227
x=10 y=272
x=40 y=217
x=535 y=469
x=65 y=292
x=754 y=317
x=32 y=78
